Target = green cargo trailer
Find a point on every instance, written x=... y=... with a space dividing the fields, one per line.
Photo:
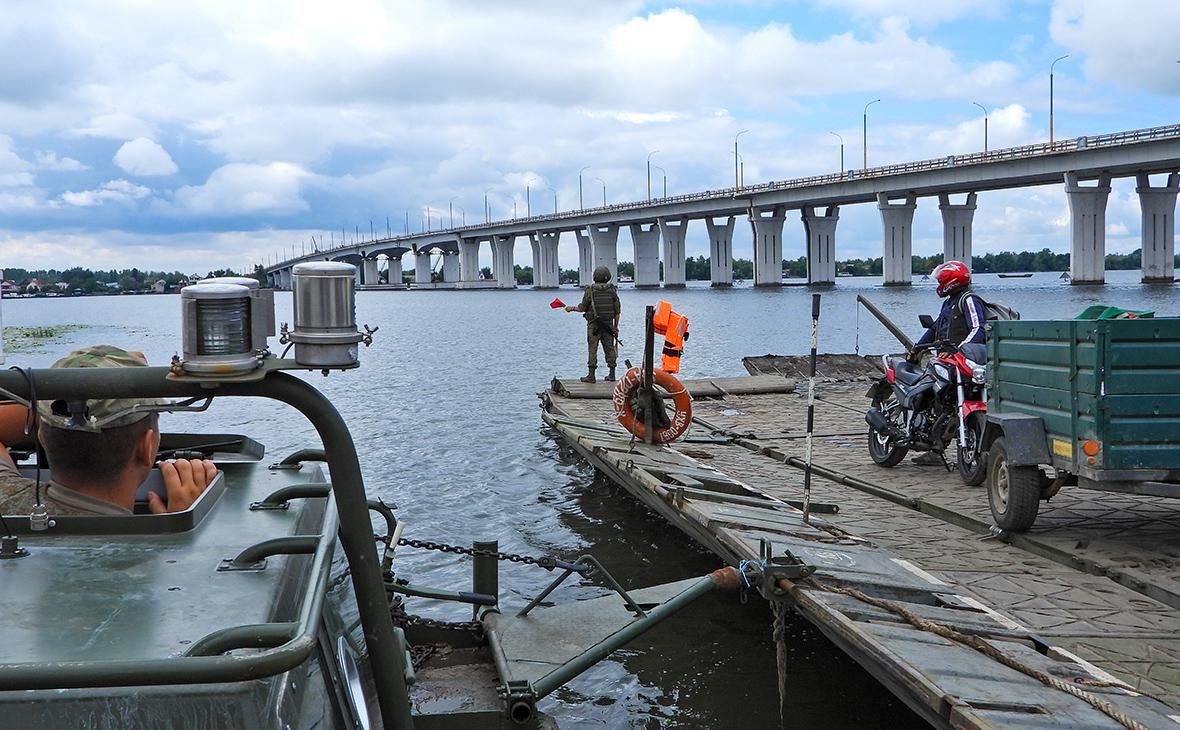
x=1094 y=403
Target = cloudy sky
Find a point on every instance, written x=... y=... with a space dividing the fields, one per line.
x=196 y=135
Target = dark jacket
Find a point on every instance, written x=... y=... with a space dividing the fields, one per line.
x=601 y=303
x=961 y=321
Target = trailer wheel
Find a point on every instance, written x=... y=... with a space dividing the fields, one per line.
x=972 y=458
x=1013 y=492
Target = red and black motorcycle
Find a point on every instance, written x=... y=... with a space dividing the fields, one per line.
x=924 y=408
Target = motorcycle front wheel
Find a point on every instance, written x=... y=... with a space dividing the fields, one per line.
x=882 y=449
x=972 y=459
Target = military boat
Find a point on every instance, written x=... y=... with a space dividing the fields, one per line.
x=272 y=601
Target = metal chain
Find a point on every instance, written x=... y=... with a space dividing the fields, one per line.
x=548 y=562
x=401 y=618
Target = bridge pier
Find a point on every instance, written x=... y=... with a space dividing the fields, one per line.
x=546 y=272
x=450 y=267
x=585 y=257
x=768 y=245
x=393 y=271
x=1087 y=213
x=720 y=251
x=422 y=268
x=673 y=232
x=270 y=280
x=1158 y=229
x=956 y=228
x=370 y=275
x=469 y=259
x=285 y=279
x=503 y=269
x=897 y=224
x=821 y=244
x=605 y=244
x=647 y=253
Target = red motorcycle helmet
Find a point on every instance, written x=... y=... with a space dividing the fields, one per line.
x=951 y=277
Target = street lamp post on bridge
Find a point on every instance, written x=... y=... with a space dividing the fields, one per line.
x=603 y=190
x=581 y=206
x=981 y=106
x=865 y=131
x=528 y=200
x=554 y=191
x=664 y=173
x=649 y=154
x=1061 y=58
x=737 y=180
x=837 y=136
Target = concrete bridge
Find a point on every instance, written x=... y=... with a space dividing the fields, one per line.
x=1085 y=165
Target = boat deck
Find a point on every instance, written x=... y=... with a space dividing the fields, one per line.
x=1090 y=595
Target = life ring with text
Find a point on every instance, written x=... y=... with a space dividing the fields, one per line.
x=626 y=389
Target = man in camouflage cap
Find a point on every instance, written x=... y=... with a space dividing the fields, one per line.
x=99 y=451
x=600 y=306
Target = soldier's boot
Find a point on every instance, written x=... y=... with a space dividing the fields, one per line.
x=610 y=376
x=589 y=377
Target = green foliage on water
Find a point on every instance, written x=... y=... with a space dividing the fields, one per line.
x=34 y=339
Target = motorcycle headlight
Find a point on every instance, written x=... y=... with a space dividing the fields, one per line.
x=979 y=374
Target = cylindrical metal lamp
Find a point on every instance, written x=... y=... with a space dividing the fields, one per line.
x=216 y=321
x=262 y=308
x=325 y=333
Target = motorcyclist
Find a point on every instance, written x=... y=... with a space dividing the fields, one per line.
x=960 y=322
x=962 y=319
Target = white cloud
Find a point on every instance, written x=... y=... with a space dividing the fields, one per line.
x=14 y=170
x=50 y=161
x=115 y=125
x=114 y=191
x=1131 y=44
x=245 y=188
x=144 y=157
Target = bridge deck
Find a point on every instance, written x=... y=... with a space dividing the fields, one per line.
x=1089 y=595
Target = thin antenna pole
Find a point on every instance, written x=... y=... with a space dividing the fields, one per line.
x=810 y=406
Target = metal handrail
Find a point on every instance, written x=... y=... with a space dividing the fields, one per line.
x=1111 y=139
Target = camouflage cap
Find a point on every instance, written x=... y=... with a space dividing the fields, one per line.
x=96 y=415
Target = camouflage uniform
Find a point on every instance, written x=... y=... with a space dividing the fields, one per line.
x=18 y=493
x=601 y=302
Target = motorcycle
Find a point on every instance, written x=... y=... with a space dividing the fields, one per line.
x=925 y=408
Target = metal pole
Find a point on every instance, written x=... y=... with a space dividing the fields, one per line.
x=737 y=180
x=889 y=325
x=1051 y=96
x=865 y=132
x=485 y=572
x=648 y=376
x=810 y=406
x=581 y=206
x=451 y=211
x=981 y=106
x=528 y=202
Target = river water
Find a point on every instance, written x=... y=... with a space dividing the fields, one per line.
x=444 y=412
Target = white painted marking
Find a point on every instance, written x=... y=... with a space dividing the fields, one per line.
x=1174 y=718
x=1101 y=674
x=919 y=572
x=996 y=615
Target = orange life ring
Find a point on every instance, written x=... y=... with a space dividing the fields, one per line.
x=624 y=411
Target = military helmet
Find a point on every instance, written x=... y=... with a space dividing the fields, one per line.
x=601 y=275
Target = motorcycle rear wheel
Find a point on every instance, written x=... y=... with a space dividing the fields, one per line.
x=882 y=450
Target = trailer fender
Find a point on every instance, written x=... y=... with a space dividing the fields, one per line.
x=1024 y=436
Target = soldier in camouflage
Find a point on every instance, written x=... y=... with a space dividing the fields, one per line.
x=99 y=451
x=600 y=306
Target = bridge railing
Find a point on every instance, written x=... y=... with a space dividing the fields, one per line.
x=973 y=158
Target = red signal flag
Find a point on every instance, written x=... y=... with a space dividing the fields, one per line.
x=557 y=304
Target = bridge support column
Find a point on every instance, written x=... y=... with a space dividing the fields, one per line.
x=1158 y=228
x=469 y=259
x=673 y=232
x=270 y=280
x=546 y=273
x=451 y=267
x=768 y=245
x=605 y=240
x=503 y=269
x=956 y=228
x=647 y=253
x=422 y=267
x=285 y=279
x=821 y=244
x=1087 y=213
x=393 y=271
x=585 y=258
x=720 y=251
x=897 y=224
x=369 y=272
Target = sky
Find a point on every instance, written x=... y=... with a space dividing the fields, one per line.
x=217 y=134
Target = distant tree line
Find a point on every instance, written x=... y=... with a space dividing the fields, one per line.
x=89 y=282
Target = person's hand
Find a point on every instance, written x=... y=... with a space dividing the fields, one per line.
x=569 y=308
x=184 y=481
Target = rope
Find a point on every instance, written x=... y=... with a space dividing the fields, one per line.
x=990 y=651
